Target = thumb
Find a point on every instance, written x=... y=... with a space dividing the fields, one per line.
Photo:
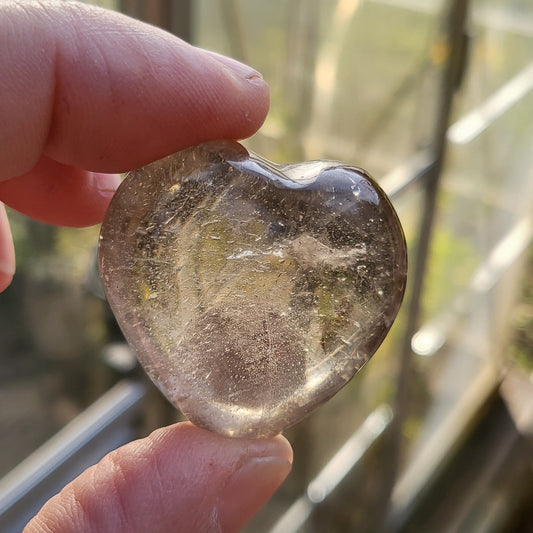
x=180 y=478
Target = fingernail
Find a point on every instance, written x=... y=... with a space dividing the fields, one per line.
x=250 y=487
x=240 y=69
x=106 y=183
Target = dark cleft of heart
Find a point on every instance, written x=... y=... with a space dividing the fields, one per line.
x=251 y=292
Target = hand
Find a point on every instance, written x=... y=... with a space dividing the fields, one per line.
x=84 y=93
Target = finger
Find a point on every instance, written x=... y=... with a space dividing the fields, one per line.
x=97 y=90
x=7 y=252
x=180 y=478
x=60 y=194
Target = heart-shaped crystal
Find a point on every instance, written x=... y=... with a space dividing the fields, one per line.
x=251 y=292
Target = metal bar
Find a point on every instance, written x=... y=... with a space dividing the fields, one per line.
x=479 y=119
x=174 y=16
x=491 y=17
x=432 y=335
x=453 y=35
x=415 y=169
x=430 y=462
x=102 y=427
x=235 y=30
x=338 y=467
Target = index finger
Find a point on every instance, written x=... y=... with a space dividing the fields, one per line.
x=100 y=91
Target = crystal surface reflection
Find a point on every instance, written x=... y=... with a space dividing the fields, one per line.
x=251 y=292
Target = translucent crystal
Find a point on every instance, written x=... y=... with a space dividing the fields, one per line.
x=251 y=292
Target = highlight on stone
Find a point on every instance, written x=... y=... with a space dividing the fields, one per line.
x=251 y=292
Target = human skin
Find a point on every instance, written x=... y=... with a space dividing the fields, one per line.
x=86 y=93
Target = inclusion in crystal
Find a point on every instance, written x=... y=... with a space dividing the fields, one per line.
x=251 y=292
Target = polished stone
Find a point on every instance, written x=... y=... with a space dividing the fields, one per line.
x=251 y=292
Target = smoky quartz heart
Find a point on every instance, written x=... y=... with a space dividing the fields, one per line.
x=251 y=292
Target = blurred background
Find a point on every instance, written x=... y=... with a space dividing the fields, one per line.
x=434 y=98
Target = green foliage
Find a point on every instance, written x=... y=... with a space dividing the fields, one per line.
x=521 y=346
x=452 y=261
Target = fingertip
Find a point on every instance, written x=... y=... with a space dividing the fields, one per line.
x=109 y=118
x=251 y=471
x=253 y=484
x=199 y=441
x=253 y=84
x=178 y=475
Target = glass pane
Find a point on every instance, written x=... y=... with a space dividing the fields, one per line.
x=354 y=88
x=357 y=81
x=346 y=84
x=483 y=229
